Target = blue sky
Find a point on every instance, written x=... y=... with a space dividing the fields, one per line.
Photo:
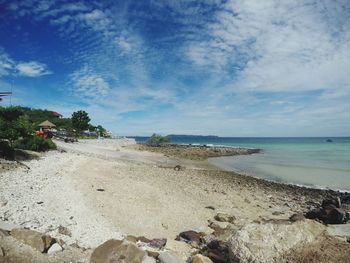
x=230 y=68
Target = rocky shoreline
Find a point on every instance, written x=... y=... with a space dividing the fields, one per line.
x=69 y=204
x=196 y=152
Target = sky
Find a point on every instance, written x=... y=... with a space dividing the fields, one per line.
x=211 y=67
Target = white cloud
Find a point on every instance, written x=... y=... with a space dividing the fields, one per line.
x=6 y=64
x=279 y=45
x=32 y=69
x=89 y=84
x=9 y=66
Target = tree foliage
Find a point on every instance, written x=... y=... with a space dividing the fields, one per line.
x=35 y=143
x=80 y=120
x=156 y=140
x=100 y=130
x=14 y=124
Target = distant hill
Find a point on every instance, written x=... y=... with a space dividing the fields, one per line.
x=183 y=136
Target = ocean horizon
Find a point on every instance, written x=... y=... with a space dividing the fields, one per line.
x=317 y=162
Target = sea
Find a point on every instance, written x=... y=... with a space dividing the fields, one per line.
x=317 y=162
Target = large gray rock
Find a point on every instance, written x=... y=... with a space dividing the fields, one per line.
x=33 y=238
x=171 y=257
x=117 y=251
x=200 y=259
x=268 y=242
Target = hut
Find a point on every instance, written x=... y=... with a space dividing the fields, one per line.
x=46 y=125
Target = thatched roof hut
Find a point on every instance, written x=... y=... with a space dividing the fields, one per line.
x=46 y=125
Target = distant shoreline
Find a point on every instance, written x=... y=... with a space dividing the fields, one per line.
x=196 y=151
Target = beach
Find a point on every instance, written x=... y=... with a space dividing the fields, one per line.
x=102 y=189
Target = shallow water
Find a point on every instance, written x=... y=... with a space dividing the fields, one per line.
x=311 y=162
x=305 y=161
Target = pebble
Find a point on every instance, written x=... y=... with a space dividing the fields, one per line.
x=54 y=248
x=3 y=201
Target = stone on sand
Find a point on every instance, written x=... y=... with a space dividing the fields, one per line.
x=200 y=259
x=32 y=238
x=180 y=247
x=117 y=251
x=64 y=231
x=223 y=217
x=268 y=242
x=171 y=257
x=55 y=248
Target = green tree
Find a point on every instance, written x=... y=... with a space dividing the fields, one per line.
x=100 y=129
x=156 y=140
x=80 y=120
x=13 y=124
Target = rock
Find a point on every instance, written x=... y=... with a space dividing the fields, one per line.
x=117 y=251
x=333 y=201
x=277 y=213
x=216 y=250
x=55 y=248
x=143 y=239
x=178 y=246
x=268 y=242
x=3 y=201
x=152 y=253
x=148 y=259
x=158 y=242
x=33 y=238
x=200 y=259
x=2 y=252
x=177 y=168
x=210 y=207
x=329 y=214
x=336 y=216
x=7 y=226
x=342 y=230
x=60 y=242
x=171 y=257
x=223 y=217
x=190 y=236
x=223 y=233
x=296 y=217
x=64 y=231
x=131 y=238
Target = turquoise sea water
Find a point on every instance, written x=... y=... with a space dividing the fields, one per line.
x=311 y=162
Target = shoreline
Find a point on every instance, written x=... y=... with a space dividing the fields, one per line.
x=311 y=187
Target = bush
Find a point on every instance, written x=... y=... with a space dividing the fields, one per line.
x=36 y=143
x=6 y=151
x=156 y=140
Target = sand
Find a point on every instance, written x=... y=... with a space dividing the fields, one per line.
x=100 y=189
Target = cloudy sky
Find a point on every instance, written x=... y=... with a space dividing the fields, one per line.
x=224 y=67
